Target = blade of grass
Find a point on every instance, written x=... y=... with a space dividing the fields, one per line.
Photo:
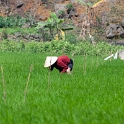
x=26 y=88
x=4 y=87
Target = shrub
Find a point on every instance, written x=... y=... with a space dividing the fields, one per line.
x=12 y=21
x=6 y=45
x=2 y=23
x=69 y=6
x=4 y=34
x=61 y=13
x=61 y=47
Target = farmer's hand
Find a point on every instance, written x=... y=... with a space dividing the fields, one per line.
x=68 y=70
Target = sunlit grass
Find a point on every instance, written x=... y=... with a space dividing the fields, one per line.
x=18 y=29
x=93 y=94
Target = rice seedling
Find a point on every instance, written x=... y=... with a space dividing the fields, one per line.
x=4 y=87
x=96 y=97
x=26 y=88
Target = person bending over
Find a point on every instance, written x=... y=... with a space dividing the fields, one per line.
x=62 y=63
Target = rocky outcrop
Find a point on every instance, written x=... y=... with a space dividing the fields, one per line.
x=108 y=13
x=26 y=37
x=115 y=31
x=36 y=8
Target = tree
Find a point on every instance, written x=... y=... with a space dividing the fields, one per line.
x=52 y=23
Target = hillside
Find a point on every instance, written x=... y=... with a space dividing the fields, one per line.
x=41 y=9
x=100 y=13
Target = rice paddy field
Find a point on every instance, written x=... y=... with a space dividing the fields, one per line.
x=30 y=94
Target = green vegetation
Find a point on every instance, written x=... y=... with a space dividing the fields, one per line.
x=69 y=6
x=61 y=47
x=31 y=94
x=18 y=29
x=12 y=21
x=93 y=94
x=51 y=26
x=61 y=12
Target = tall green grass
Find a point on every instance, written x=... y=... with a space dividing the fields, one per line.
x=92 y=94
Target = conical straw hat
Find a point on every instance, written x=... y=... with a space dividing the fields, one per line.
x=50 y=60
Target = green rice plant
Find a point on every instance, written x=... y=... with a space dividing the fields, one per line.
x=26 y=88
x=4 y=87
x=96 y=97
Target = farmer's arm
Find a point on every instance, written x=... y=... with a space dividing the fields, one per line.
x=63 y=65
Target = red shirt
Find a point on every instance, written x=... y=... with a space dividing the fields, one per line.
x=62 y=63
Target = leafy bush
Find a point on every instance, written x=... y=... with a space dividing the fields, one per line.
x=69 y=6
x=61 y=47
x=51 y=25
x=71 y=38
x=4 y=34
x=61 y=13
x=11 y=46
x=12 y=21
x=2 y=23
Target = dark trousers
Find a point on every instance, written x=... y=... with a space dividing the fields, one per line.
x=70 y=65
